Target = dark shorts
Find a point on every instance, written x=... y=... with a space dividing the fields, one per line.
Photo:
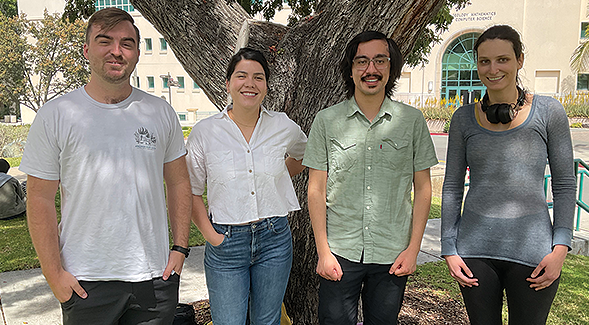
x=117 y=302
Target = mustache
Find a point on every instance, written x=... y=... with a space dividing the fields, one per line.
x=118 y=59
x=372 y=76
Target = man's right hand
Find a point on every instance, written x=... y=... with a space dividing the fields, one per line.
x=64 y=285
x=329 y=268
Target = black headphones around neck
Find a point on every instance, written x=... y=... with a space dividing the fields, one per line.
x=503 y=112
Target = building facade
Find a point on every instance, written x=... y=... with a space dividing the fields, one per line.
x=157 y=63
x=550 y=30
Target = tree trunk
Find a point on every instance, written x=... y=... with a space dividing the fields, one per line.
x=304 y=64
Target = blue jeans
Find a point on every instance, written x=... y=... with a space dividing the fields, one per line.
x=253 y=262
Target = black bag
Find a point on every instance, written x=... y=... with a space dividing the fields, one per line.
x=184 y=315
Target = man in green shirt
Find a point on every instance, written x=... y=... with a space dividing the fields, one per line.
x=364 y=154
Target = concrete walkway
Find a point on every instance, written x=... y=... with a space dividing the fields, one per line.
x=25 y=297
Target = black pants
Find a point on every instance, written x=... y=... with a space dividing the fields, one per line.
x=485 y=302
x=382 y=295
x=150 y=302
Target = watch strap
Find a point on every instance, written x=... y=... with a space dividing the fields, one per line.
x=183 y=250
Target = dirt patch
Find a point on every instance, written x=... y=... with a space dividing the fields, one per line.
x=422 y=305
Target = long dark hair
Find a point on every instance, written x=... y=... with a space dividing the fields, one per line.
x=350 y=53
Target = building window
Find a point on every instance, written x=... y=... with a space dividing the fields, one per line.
x=180 y=82
x=194 y=85
x=546 y=82
x=148 y=45
x=182 y=116
x=121 y=4
x=583 y=81
x=150 y=82
x=163 y=44
x=165 y=82
x=459 y=69
x=137 y=85
x=584 y=33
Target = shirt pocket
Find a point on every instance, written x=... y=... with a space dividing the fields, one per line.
x=396 y=153
x=220 y=166
x=343 y=154
x=274 y=164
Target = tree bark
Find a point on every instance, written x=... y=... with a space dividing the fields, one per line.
x=305 y=78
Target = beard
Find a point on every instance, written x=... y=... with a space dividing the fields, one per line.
x=115 y=76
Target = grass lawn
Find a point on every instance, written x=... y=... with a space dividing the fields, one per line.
x=17 y=251
x=435 y=211
x=14 y=162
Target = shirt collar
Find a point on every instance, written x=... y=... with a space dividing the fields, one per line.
x=385 y=109
x=225 y=112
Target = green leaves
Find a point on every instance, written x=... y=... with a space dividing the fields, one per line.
x=40 y=60
x=78 y=9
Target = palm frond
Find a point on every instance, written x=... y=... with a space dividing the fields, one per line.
x=580 y=58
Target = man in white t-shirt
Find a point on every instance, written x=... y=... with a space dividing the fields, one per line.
x=109 y=147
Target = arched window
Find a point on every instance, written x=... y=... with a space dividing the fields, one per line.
x=121 y=4
x=459 y=69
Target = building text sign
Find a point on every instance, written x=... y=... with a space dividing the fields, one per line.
x=473 y=16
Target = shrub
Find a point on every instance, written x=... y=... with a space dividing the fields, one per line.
x=437 y=109
x=576 y=105
x=576 y=125
x=447 y=126
x=12 y=134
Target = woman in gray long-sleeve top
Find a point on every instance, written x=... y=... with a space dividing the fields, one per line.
x=503 y=238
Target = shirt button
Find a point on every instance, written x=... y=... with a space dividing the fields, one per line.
x=369 y=148
x=367 y=187
x=248 y=151
x=253 y=193
x=368 y=208
x=250 y=170
x=366 y=228
x=368 y=167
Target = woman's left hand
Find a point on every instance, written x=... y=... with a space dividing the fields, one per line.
x=552 y=265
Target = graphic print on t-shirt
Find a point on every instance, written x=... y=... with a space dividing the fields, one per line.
x=144 y=139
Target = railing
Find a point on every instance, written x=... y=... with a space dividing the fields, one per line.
x=581 y=171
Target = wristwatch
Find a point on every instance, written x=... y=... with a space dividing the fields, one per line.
x=183 y=250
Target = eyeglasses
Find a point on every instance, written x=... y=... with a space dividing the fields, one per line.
x=380 y=62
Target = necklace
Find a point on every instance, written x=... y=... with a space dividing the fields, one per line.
x=232 y=116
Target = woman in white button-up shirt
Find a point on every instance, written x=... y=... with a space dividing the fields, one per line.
x=245 y=156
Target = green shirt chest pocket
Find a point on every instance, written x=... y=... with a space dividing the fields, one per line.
x=396 y=153
x=342 y=154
